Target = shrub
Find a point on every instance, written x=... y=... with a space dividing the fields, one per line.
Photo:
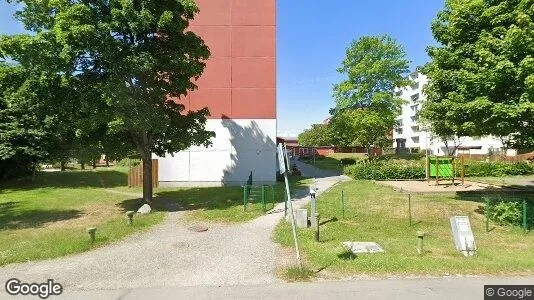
x=347 y=161
x=498 y=169
x=384 y=170
x=509 y=211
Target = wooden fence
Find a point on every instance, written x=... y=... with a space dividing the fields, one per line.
x=135 y=175
x=481 y=157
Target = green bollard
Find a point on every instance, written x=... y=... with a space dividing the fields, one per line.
x=420 y=236
x=92 y=232
x=129 y=215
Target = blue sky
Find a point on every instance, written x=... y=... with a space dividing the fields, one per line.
x=312 y=36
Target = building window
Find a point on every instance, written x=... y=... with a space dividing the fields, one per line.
x=415 y=86
x=398 y=93
x=414 y=75
x=415 y=139
x=398 y=130
x=415 y=128
x=415 y=97
x=415 y=118
x=399 y=123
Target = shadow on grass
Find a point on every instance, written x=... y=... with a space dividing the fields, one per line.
x=12 y=216
x=68 y=179
x=347 y=255
x=331 y=220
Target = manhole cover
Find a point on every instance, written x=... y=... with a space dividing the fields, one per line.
x=198 y=228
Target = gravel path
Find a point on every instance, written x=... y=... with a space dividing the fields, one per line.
x=172 y=255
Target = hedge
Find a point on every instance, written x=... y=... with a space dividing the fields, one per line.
x=498 y=169
x=386 y=170
x=412 y=169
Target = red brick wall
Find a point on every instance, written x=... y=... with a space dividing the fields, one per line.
x=240 y=77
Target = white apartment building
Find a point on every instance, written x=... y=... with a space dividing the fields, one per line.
x=409 y=135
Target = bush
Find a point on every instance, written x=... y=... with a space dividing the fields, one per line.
x=347 y=161
x=509 y=212
x=385 y=170
x=129 y=162
x=498 y=169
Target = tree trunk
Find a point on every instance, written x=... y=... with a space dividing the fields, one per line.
x=62 y=166
x=82 y=165
x=94 y=163
x=147 y=177
x=107 y=162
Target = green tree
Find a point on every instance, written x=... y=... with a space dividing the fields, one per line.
x=366 y=106
x=129 y=63
x=317 y=135
x=362 y=127
x=481 y=76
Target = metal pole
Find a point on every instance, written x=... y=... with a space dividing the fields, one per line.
x=317 y=227
x=293 y=222
x=263 y=198
x=463 y=170
x=410 y=208
x=245 y=197
x=525 y=224
x=342 y=205
x=486 y=213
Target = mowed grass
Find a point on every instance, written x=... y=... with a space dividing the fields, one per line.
x=333 y=161
x=225 y=204
x=48 y=217
x=376 y=213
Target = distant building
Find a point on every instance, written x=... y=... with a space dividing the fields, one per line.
x=410 y=136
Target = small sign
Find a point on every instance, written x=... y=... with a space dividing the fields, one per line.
x=281 y=159
x=463 y=235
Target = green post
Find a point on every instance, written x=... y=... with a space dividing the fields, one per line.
x=525 y=224
x=342 y=205
x=273 y=195
x=410 y=208
x=263 y=197
x=245 y=198
x=486 y=213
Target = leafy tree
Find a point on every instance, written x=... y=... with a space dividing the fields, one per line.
x=129 y=63
x=317 y=135
x=362 y=127
x=481 y=76
x=366 y=106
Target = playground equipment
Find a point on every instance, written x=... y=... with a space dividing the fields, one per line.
x=258 y=194
x=444 y=167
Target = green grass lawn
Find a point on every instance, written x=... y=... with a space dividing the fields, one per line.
x=376 y=213
x=48 y=217
x=224 y=204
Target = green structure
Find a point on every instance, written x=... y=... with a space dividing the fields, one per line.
x=441 y=167
x=261 y=194
x=444 y=167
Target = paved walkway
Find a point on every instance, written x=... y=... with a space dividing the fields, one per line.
x=171 y=255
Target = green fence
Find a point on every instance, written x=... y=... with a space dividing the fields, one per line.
x=258 y=194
